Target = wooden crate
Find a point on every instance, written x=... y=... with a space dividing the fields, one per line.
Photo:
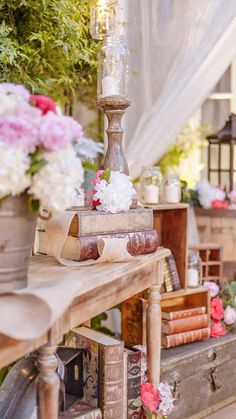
x=171 y=223
x=211 y=255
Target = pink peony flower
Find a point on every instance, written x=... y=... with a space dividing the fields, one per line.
x=58 y=131
x=229 y=315
x=44 y=103
x=217 y=310
x=212 y=287
x=13 y=89
x=19 y=132
x=217 y=330
x=150 y=397
x=218 y=204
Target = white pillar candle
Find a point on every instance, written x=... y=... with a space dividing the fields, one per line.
x=193 y=277
x=110 y=86
x=172 y=194
x=151 y=194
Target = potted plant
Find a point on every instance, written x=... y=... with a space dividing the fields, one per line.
x=39 y=168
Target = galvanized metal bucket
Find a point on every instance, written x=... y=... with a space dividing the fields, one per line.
x=17 y=230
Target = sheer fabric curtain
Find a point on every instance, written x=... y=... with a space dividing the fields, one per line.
x=179 y=49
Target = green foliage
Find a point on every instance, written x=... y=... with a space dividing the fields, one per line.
x=33 y=205
x=3 y=374
x=45 y=44
x=189 y=138
x=96 y=323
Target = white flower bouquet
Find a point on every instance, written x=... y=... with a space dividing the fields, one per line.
x=37 y=153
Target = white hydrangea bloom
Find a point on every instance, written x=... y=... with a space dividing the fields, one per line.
x=14 y=163
x=7 y=104
x=54 y=185
x=208 y=193
x=115 y=195
x=166 y=399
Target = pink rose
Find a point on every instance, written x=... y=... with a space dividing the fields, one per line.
x=229 y=315
x=218 y=204
x=216 y=307
x=212 y=287
x=150 y=397
x=217 y=329
x=44 y=103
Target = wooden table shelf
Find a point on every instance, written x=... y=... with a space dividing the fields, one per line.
x=104 y=286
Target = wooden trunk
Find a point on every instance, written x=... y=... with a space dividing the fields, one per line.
x=202 y=374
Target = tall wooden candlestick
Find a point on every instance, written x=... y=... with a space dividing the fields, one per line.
x=114 y=108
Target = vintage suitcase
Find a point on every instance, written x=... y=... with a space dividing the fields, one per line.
x=202 y=375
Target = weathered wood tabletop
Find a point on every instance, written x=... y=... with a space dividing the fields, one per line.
x=102 y=287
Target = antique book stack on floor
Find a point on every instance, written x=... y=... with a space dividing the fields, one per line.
x=88 y=226
x=182 y=325
x=111 y=374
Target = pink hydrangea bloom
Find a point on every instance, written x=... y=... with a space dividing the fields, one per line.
x=19 y=132
x=17 y=90
x=229 y=315
x=232 y=196
x=58 y=131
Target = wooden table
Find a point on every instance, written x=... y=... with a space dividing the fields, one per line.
x=104 y=286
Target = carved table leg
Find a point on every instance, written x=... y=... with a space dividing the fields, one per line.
x=47 y=383
x=154 y=329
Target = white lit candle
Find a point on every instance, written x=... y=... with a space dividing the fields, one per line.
x=193 y=278
x=151 y=194
x=172 y=194
x=110 y=86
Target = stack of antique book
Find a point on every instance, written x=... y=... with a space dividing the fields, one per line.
x=103 y=375
x=182 y=325
x=88 y=227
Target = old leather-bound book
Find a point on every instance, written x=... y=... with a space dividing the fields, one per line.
x=181 y=312
x=171 y=327
x=94 y=222
x=103 y=371
x=132 y=382
x=86 y=247
x=185 y=337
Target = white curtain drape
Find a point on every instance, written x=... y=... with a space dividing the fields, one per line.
x=179 y=49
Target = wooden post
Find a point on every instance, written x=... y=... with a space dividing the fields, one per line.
x=154 y=328
x=47 y=383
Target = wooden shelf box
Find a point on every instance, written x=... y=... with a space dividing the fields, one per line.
x=211 y=255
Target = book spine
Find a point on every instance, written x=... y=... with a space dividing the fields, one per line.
x=111 y=380
x=196 y=311
x=167 y=279
x=186 y=337
x=133 y=383
x=93 y=222
x=138 y=243
x=183 y=325
x=174 y=276
x=131 y=315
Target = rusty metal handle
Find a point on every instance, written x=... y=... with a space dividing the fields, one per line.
x=213 y=376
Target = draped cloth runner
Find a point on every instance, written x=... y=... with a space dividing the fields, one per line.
x=29 y=312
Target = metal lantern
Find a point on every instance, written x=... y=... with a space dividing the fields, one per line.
x=222 y=155
x=102 y=18
x=113 y=69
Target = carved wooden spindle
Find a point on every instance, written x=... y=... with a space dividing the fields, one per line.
x=47 y=383
x=154 y=329
x=114 y=108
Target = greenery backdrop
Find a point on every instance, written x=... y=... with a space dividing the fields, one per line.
x=45 y=44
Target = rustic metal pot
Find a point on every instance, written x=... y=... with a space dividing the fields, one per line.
x=17 y=230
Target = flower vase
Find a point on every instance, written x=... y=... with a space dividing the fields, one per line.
x=17 y=231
